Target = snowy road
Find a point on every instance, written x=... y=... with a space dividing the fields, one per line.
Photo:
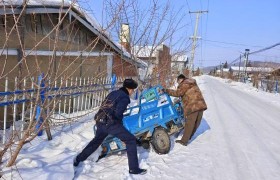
x=245 y=132
x=238 y=139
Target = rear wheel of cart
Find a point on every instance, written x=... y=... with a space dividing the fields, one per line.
x=161 y=141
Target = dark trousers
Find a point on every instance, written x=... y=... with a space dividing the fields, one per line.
x=193 y=121
x=119 y=131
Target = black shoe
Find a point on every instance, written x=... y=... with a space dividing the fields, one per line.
x=181 y=142
x=75 y=162
x=138 y=171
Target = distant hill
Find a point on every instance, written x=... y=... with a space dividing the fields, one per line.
x=260 y=64
x=266 y=64
x=206 y=70
x=274 y=65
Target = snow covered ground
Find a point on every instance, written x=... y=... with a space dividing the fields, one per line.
x=238 y=139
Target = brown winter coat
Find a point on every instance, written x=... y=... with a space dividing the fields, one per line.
x=190 y=93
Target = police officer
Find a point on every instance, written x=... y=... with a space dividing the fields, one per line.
x=109 y=121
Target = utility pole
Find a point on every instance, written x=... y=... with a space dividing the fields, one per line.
x=220 y=68
x=239 y=68
x=245 y=63
x=194 y=38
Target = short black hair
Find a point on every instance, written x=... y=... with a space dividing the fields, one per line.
x=130 y=84
x=181 y=76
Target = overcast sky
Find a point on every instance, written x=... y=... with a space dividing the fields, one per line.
x=230 y=27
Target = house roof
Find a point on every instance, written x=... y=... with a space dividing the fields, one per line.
x=252 y=69
x=179 y=57
x=144 y=51
x=36 y=2
x=54 y=6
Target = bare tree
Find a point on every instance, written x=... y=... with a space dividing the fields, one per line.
x=150 y=27
x=58 y=47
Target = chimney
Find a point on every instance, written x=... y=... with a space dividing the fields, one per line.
x=125 y=37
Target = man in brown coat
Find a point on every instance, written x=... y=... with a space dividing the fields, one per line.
x=193 y=104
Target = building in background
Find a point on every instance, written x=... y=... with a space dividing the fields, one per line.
x=249 y=71
x=179 y=63
x=159 y=63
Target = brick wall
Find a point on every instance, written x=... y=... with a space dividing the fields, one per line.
x=123 y=68
x=164 y=65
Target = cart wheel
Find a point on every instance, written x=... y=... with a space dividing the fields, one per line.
x=161 y=141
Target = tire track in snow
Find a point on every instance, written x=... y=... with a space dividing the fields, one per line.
x=226 y=138
x=260 y=144
x=236 y=147
x=246 y=128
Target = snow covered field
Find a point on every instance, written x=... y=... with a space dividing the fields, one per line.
x=237 y=139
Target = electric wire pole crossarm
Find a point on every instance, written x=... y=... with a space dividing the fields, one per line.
x=194 y=38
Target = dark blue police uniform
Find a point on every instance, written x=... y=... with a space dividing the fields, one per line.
x=109 y=121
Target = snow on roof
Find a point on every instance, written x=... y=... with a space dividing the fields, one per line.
x=73 y=4
x=55 y=3
x=144 y=51
x=179 y=57
x=130 y=55
x=225 y=69
x=37 y=2
x=252 y=69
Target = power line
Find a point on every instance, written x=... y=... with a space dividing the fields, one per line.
x=258 y=51
x=231 y=43
x=190 y=14
x=206 y=31
x=264 y=49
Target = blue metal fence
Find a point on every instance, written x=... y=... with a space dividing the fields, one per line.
x=62 y=101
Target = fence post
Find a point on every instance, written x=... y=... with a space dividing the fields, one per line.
x=136 y=94
x=70 y=98
x=65 y=97
x=31 y=99
x=5 y=112
x=113 y=81
x=15 y=106
x=40 y=114
x=276 y=86
x=60 y=97
x=55 y=95
x=74 y=96
x=39 y=118
x=23 y=109
x=87 y=94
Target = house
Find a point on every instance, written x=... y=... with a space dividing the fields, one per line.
x=240 y=71
x=275 y=74
x=178 y=63
x=58 y=38
x=158 y=59
x=226 y=73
